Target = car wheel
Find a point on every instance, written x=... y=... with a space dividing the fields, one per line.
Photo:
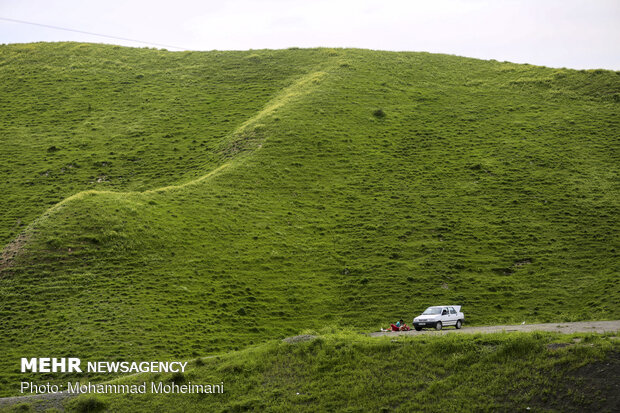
x=458 y=324
x=417 y=328
x=438 y=326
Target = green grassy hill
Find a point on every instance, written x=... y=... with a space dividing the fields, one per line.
x=172 y=205
x=349 y=373
x=345 y=372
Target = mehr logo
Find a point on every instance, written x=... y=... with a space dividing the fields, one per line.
x=51 y=365
x=71 y=364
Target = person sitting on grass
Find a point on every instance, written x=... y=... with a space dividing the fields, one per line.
x=402 y=326
x=398 y=326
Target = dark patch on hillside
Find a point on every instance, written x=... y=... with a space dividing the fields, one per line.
x=592 y=388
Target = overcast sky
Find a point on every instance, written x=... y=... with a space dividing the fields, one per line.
x=558 y=33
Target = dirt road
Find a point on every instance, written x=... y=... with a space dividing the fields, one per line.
x=568 y=328
x=40 y=402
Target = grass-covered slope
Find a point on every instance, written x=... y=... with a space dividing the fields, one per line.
x=353 y=187
x=78 y=116
x=342 y=372
x=449 y=373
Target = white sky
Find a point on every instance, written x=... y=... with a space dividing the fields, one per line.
x=559 y=33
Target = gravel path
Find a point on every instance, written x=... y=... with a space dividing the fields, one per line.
x=40 y=402
x=568 y=328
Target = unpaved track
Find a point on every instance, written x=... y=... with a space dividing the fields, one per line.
x=43 y=401
x=568 y=328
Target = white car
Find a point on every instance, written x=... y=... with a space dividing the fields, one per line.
x=440 y=316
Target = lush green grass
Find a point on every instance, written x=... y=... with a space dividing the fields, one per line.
x=79 y=116
x=491 y=185
x=346 y=372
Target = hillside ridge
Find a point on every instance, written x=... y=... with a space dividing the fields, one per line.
x=300 y=87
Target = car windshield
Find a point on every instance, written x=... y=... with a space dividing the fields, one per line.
x=432 y=311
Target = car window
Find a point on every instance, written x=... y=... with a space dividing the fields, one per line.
x=452 y=311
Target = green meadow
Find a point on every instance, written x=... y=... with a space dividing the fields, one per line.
x=346 y=372
x=173 y=205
